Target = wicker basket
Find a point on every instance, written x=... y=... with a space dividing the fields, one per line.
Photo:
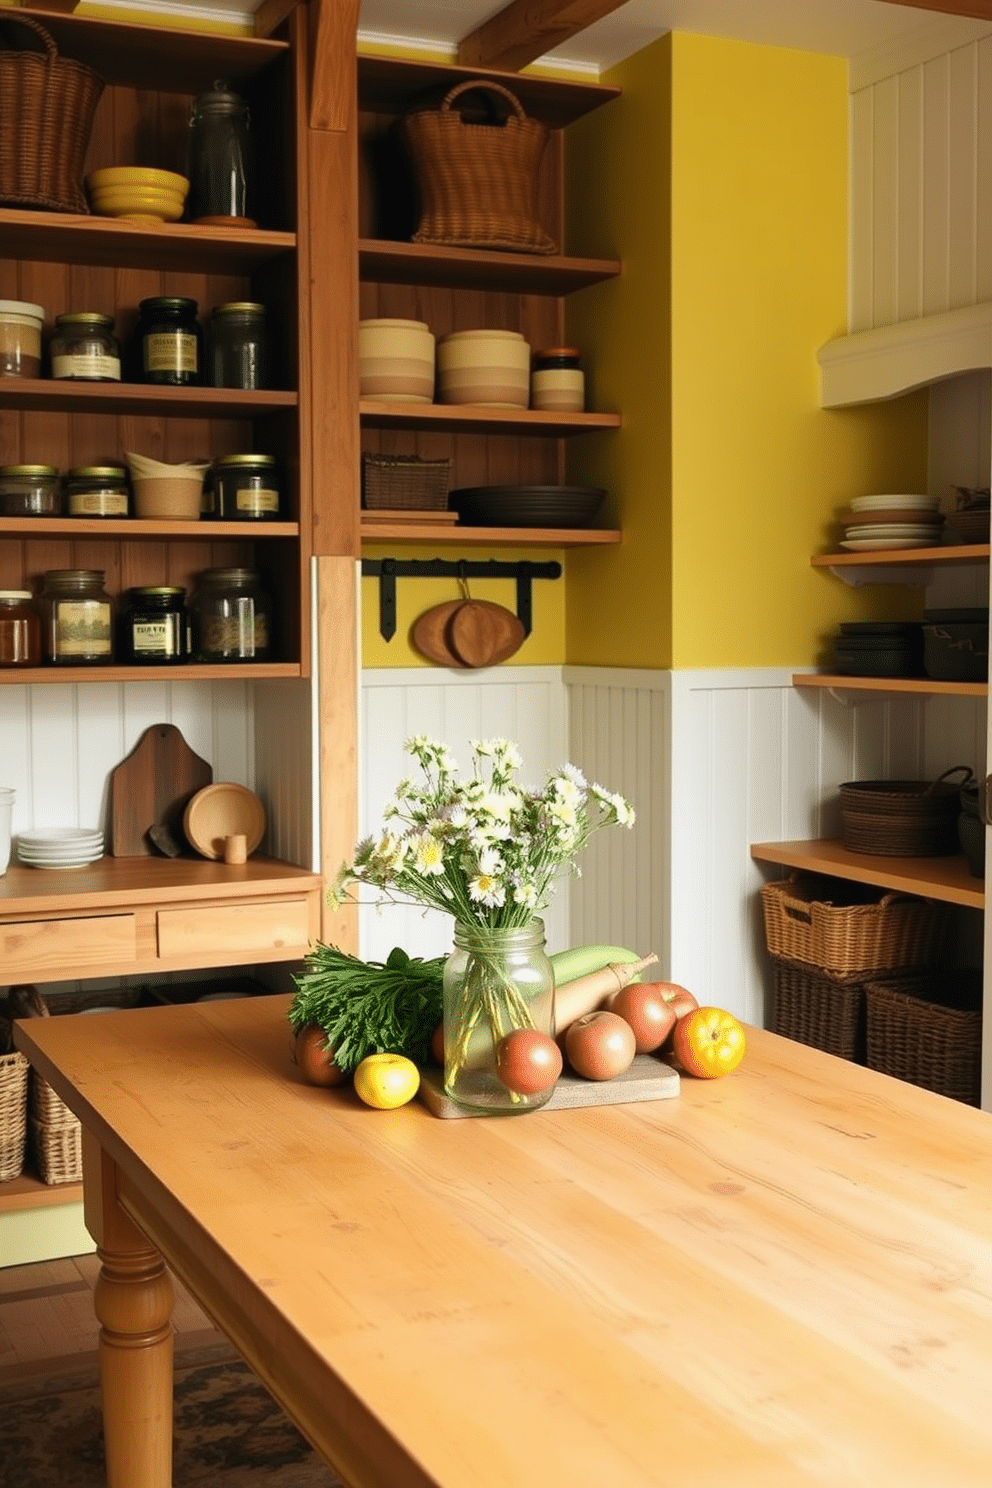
x=13 y=1114
x=55 y=1132
x=404 y=483
x=902 y=818
x=820 y=1011
x=928 y=1030
x=46 y=114
x=869 y=932
x=478 y=180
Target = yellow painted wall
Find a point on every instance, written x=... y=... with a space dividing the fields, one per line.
x=727 y=473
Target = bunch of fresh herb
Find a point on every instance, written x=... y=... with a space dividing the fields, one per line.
x=369 y=1007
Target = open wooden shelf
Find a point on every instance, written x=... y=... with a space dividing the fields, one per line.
x=470 y=418
x=902 y=557
x=920 y=686
x=135 y=527
x=194 y=671
x=477 y=268
x=137 y=245
x=947 y=879
x=490 y=537
x=27 y=1192
x=390 y=85
x=48 y=395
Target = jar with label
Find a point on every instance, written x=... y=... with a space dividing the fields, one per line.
x=29 y=491
x=238 y=354
x=77 y=617
x=152 y=626
x=246 y=488
x=20 y=629
x=85 y=349
x=230 y=617
x=20 y=338
x=170 y=342
x=97 y=491
x=557 y=382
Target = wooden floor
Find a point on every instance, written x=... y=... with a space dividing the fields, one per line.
x=47 y=1317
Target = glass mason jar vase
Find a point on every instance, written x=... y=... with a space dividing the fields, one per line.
x=495 y=981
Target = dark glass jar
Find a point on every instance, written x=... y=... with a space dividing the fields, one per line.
x=246 y=488
x=238 y=355
x=77 y=617
x=170 y=342
x=220 y=184
x=84 y=348
x=97 y=491
x=20 y=629
x=29 y=491
x=230 y=617
x=152 y=626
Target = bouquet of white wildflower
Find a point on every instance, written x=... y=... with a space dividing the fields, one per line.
x=482 y=849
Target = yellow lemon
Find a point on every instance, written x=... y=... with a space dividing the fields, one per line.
x=387 y=1081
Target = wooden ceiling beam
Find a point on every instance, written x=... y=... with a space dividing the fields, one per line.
x=980 y=10
x=527 y=29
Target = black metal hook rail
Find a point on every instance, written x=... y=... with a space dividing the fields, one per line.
x=388 y=570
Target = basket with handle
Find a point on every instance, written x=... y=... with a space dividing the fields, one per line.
x=56 y=1133
x=810 y=924
x=478 y=180
x=903 y=818
x=47 y=104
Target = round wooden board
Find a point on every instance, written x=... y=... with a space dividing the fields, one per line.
x=223 y=810
x=429 y=634
x=483 y=634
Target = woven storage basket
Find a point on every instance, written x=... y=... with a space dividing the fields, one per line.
x=850 y=939
x=56 y=1133
x=478 y=181
x=902 y=818
x=928 y=1030
x=13 y=1114
x=46 y=114
x=404 y=483
x=821 y=1011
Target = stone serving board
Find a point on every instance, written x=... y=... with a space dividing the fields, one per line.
x=647 y=1079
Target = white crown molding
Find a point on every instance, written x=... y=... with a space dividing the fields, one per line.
x=932 y=39
x=379 y=41
x=884 y=363
x=225 y=13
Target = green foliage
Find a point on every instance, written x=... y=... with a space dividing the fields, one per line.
x=369 y=1007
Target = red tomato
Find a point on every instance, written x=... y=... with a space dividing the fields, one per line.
x=709 y=1042
x=528 y=1061
x=314 y=1059
x=600 y=1045
x=649 y=1013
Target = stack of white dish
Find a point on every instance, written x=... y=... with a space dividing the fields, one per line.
x=60 y=847
x=880 y=522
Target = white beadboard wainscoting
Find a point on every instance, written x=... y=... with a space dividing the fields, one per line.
x=920 y=184
x=712 y=761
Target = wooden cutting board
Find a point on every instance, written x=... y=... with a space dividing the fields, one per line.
x=429 y=634
x=484 y=634
x=150 y=788
x=647 y=1079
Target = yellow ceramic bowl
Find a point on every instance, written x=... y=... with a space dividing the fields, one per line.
x=137 y=175
x=133 y=203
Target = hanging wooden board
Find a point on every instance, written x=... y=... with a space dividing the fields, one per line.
x=150 y=788
x=483 y=634
x=647 y=1079
x=429 y=634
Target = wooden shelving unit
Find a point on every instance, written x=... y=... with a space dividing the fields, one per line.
x=27 y=1192
x=489 y=537
x=947 y=879
x=903 y=557
x=919 y=686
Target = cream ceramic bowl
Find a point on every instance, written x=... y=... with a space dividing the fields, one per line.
x=395 y=361
x=490 y=369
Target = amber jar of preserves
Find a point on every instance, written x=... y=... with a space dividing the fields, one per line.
x=20 y=629
x=77 y=617
x=84 y=348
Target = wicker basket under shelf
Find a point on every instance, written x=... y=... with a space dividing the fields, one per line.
x=820 y=1011
x=928 y=1030
x=872 y=932
x=13 y=1114
x=58 y=1150
x=404 y=483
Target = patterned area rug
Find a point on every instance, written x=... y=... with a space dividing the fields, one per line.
x=229 y=1432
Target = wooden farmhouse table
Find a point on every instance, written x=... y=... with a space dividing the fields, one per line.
x=783 y=1277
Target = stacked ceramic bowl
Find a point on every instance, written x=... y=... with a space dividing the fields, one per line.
x=886 y=522
x=137 y=193
x=60 y=847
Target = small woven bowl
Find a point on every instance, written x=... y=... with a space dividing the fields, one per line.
x=169 y=498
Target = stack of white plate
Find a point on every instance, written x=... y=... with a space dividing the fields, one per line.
x=60 y=847
x=879 y=522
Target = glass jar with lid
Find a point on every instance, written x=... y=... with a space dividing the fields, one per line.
x=220 y=166
x=84 y=348
x=230 y=617
x=152 y=626
x=246 y=488
x=169 y=341
x=20 y=338
x=30 y=491
x=97 y=491
x=77 y=617
x=238 y=355
x=20 y=629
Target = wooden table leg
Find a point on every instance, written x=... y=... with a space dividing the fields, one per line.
x=133 y=1300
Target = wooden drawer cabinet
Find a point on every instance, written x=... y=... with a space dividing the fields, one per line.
x=31 y=948
x=241 y=931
